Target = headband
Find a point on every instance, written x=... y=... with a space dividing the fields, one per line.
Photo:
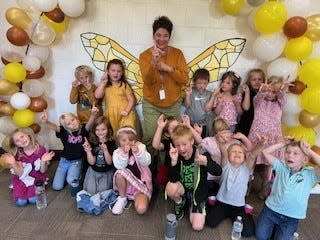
x=126 y=129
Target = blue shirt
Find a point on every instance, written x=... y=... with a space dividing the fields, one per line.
x=290 y=191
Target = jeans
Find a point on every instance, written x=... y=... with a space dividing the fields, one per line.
x=269 y=221
x=69 y=170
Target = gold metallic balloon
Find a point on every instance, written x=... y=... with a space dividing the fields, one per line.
x=7 y=109
x=18 y=17
x=8 y=88
x=309 y=120
x=313 y=29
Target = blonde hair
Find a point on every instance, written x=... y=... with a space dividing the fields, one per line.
x=28 y=131
x=181 y=131
x=62 y=120
x=220 y=125
x=84 y=69
x=275 y=82
x=127 y=130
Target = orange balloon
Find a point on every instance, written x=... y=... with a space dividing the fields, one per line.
x=17 y=36
x=55 y=15
x=295 y=27
x=297 y=87
x=38 y=104
x=36 y=74
x=35 y=127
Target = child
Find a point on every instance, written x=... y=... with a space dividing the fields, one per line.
x=72 y=134
x=288 y=201
x=268 y=106
x=236 y=170
x=188 y=176
x=82 y=92
x=118 y=96
x=29 y=162
x=255 y=78
x=226 y=102
x=99 y=150
x=133 y=177
x=196 y=99
x=161 y=141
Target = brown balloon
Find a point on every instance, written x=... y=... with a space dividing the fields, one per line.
x=35 y=127
x=36 y=74
x=38 y=104
x=17 y=36
x=55 y=15
x=7 y=109
x=298 y=87
x=309 y=120
x=295 y=27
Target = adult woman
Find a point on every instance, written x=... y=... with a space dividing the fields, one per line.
x=164 y=72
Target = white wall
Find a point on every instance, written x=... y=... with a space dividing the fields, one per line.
x=197 y=25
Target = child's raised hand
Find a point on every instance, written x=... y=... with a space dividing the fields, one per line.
x=188 y=91
x=305 y=147
x=162 y=121
x=264 y=87
x=173 y=152
x=44 y=116
x=126 y=148
x=86 y=145
x=287 y=83
x=75 y=83
x=135 y=147
x=198 y=128
x=94 y=110
x=200 y=159
x=262 y=139
x=238 y=136
x=47 y=156
x=185 y=119
x=104 y=79
x=245 y=88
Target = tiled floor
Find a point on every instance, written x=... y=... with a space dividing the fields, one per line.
x=60 y=220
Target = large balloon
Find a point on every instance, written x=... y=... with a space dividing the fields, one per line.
x=17 y=36
x=12 y=53
x=8 y=88
x=309 y=72
x=295 y=27
x=310 y=100
x=283 y=67
x=74 y=8
x=297 y=7
x=33 y=88
x=313 y=30
x=23 y=118
x=292 y=105
x=41 y=52
x=31 y=63
x=20 y=100
x=231 y=7
x=18 y=17
x=270 y=17
x=45 y=5
x=41 y=34
x=269 y=47
x=14 y=72
x=301 y=133
x=298 y=49
x=309 y=120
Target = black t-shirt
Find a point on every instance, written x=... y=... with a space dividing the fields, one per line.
x=100 y=164
x=166 y=143
x=72 y=142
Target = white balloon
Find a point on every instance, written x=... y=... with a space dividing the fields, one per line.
x=45 y=5
x=41 y=34
x=292 y=106
x=28 y=6
x=33 y=88
x=41 y=52
x=297 y=7
x=7 y=126
x=72 y=8
x=283 y=67
x=11 y=52
x=290 y=120
x=269 y=47
x=20 y=100
x=31 y=63
x=316 y=50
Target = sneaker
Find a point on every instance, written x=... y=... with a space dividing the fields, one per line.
x=179 y=209
x=119 y=205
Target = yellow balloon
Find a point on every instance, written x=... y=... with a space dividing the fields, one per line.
x=309 y=72
x=298 y=49
x=301 y=133
x=18 y=17
x=313 y=29
x=23 y=118
x=8 y=88
x=14 y=72
x=231 y=7
x=270 y=17
x=57 y=27
x=310 y=100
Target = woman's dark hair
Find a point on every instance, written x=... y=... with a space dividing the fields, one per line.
x=162 y=22
x=92 y=135
x=123 y=77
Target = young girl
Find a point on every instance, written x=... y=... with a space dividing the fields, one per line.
x=255 y=78
x=268 y=105
x=226 y=102
x=29 y=162
x=99 y=150
x=118 y=96
x=133 y=177
x=72 y=134
x=288 y=201
x=82 y=92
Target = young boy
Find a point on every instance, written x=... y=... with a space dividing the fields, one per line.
x=196 y=99
x=288 y=201
x=188 y=176
x=82 y=92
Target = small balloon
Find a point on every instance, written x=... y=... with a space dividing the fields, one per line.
x=313 y=30
x=295 y=27
x=38 y=104
x=14 y=72
x=309 y=120
x=36 y=74
x=41 y=34
x=8 y=88
x=55 y=15
x=23 y=118
x=18 y=17
x=33 y=88
x=298 y=87
x=7 y=109
x=231 y=7
x=298 y=49
x=35 y=127
x=73 y=8
x=41 y=52
x=20 y=100
x=17 y=36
